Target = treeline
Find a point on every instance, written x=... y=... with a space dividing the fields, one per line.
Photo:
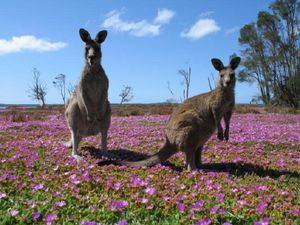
x=271 y=54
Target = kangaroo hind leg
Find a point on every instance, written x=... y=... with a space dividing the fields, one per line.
x=198 y=153
x=190 y=160
x=75 y=143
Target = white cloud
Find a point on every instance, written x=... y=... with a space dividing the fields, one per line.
x=206 y=14
x=140 y=28
x=201 y=28
x=232 y=30
x=30 y=43
x=164 y=16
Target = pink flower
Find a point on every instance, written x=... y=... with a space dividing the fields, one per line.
x=37 y=187
x=55 y=168
x=151 y=206
x=264 y=221
x=14 y=212
x=74 y=179
x=93 y=208
x=181 y=207
x=50 y=218
x=2 y=195
x=150 y=190
x=144 y=200
x=261 y=207
x=115 y=205
x=213 y=209
x=166 y=198
x=260 y=187
x=198 y=205
x=35 y=215
x=280 y=163
x=241 y=202
x=96 y=178
x=60 y=204
x=209 y=185
x=136 y=181
x=222 y=210
x=122 y=222
x=180 y=197
x=220 y=197
x=117 y=186
x=296 y=212
x=205 y=221
x=92 y=223
x=86 y=176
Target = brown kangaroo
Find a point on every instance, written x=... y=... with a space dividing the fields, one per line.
x=193 y=122
x=88 y=109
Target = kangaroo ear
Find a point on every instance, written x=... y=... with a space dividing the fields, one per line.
x=234 y=63
x=85 y=36
x=217 y=63
x=101 y=36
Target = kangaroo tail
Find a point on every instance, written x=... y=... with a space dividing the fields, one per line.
x=162 y=155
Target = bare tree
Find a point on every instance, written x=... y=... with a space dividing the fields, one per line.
x=71 y=88
x=186 y=81
x=170 y=90
x=170 y=100
x=60 y=83
x=37 y=91
x=126 y=94
x=209 y=82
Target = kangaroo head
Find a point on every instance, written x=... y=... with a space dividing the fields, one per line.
x=226 y=74
x=92 y=53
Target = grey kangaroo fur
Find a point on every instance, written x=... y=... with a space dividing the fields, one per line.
x=88 y=110
x=193 y=122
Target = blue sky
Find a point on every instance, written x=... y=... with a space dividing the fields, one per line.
x=147 y=43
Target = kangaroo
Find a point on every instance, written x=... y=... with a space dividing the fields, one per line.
x=194 y=121
x=88 y=110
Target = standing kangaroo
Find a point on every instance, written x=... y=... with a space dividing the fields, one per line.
x=88 y=109
x=193 y=122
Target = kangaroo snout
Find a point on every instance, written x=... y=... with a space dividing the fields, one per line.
x=227 y=82
x=91 y=60
x=91 y=56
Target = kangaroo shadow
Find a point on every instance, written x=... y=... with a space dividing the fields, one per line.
x=122 y=154
x=240 y=169
x=237 y=169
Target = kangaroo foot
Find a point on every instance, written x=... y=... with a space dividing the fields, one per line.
x=68 y=144
x=226 y=136
x=220 y=136
x=77 y=157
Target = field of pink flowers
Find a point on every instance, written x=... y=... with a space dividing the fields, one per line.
x=252 y=179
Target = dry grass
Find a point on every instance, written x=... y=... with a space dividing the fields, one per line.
x=283 y=110
x=166 y=109
x=243 y=108
x=17 y=114
x=142 y=109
